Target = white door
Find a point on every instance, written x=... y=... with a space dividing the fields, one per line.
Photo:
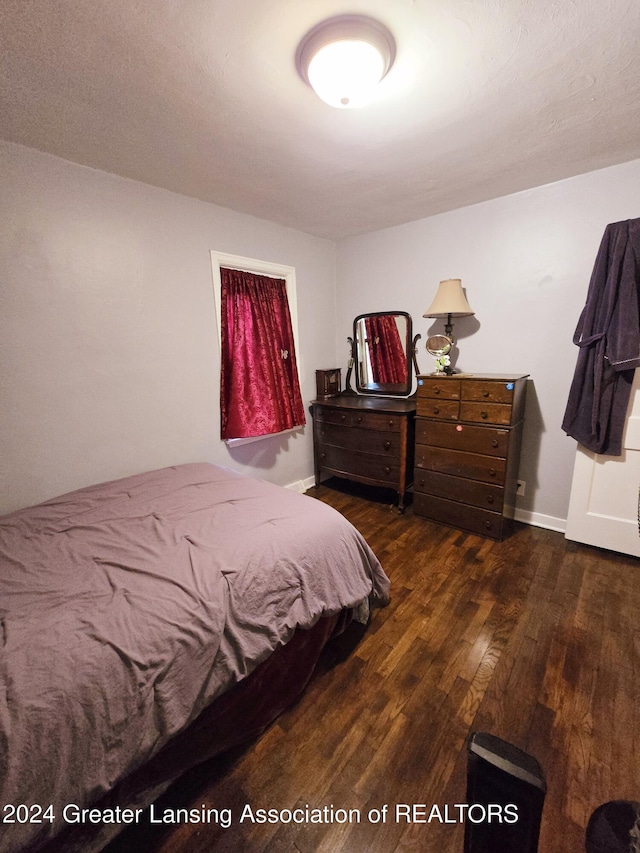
x=603 y=508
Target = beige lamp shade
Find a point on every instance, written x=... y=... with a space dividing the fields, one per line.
x=449 y=301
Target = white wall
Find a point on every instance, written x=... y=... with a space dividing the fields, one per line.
x=525 y=261
x=108 y=345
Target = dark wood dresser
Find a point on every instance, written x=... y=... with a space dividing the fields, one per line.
x=366 y=439
x=468 y=435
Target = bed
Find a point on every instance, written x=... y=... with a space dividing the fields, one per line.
x=149 y=623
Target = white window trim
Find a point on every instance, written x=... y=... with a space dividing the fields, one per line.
x=257 y=267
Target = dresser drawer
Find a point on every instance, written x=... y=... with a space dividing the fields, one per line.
x=365 y=466
x=377 y=420
x=355 y=418
x=477 y=439
x=459 y=463
x=434 y=408
x=486 y=413
x=441 y=389
x=332 y=416
x=474 y=492
x=365 y=440
x=482 y=390
x=470 y=518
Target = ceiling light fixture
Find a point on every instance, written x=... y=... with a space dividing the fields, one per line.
x=344 y=58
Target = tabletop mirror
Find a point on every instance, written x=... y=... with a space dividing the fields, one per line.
x=382 y=353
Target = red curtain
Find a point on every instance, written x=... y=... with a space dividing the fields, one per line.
x=388 y=358
x=259 y=387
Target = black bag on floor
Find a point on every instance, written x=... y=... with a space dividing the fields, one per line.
x=505 y=795
x=614 y=827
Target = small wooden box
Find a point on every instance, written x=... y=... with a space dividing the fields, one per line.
x=328 y=383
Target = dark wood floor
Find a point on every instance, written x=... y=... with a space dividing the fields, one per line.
x=532 y=639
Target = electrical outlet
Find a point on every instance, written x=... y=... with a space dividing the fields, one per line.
x=520 y=487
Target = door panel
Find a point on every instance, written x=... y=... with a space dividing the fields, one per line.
x=603 y=509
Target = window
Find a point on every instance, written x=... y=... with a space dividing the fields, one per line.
x=259 y=385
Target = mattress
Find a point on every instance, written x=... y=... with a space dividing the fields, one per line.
x=128 y=608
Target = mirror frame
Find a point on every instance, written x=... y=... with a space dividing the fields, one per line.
x=387 y=389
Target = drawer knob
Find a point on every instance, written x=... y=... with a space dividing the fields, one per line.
x=343 y=418
x=436 y=410
x=485 y=393
x=436 y=390
x=487 y=525
x=421 y=484
x=359 y=419
x=390 y=423
x=323 y=456
x=387 y=445
x=490 y=499
x=494 y=443
x=387 y=470
x=484 y=415
x=492 y=472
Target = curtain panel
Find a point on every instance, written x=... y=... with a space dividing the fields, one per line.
x=259 y=386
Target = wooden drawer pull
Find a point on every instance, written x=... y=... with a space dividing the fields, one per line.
x=484 y=415
x=343 y=418
x=436 y=390
x=492 y=472
x=494 y=443
x=485 y=393
x=436 y=410
x=391 y=423
x=488 y=525
x=387 y=470
x=490 y=499
x=359 y=419
x=387 y=445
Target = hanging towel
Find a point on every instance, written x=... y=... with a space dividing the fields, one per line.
x=608 y=337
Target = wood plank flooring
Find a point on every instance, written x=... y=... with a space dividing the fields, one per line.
x=533 y=639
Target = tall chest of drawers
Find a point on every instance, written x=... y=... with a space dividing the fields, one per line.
x=468 y=436
x=366 y=439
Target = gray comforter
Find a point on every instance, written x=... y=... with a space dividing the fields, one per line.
x=127 y=607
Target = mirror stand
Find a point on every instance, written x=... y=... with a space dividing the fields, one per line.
x=414 y=354
x=352 y=360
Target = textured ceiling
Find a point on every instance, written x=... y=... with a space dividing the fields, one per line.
x=486 y=97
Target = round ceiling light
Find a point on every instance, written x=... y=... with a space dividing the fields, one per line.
x=344 y=58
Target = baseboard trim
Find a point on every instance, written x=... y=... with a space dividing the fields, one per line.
x=538 y=519
x=301 y=485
